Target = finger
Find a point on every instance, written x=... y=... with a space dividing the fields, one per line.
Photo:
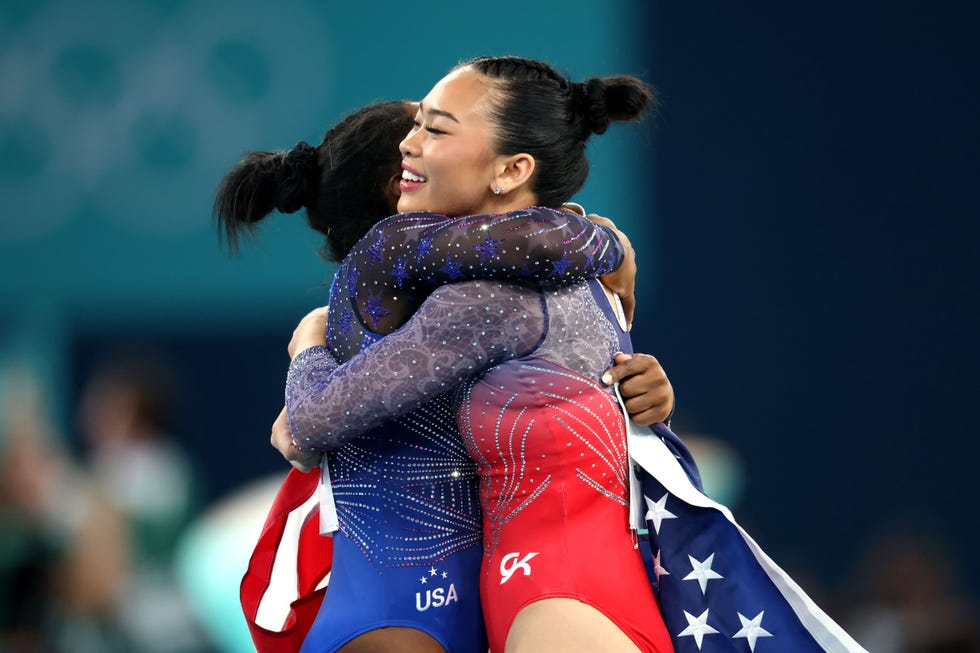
x=301 y=466
x=621 y=370
x=648 y=417
x=644 y=402
x=305 y=460
x=642 y=377
x=614 y=374
x=638 y=374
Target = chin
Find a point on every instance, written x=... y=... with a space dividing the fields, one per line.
x=409 y=205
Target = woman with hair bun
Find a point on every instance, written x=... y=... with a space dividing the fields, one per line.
x=561 y=570
x=560 y=567
x=347 y=184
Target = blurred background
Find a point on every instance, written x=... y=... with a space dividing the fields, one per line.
x=804 y=211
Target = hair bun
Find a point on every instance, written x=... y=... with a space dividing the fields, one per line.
x=602 y=100
x=298 y=179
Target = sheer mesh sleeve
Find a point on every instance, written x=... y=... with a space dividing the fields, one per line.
x=456 y=333
x=391 y=270
x=550 y=247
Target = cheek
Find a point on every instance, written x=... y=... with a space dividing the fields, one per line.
x=457 y=155
x=466 y=167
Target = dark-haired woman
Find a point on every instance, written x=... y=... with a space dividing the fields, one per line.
x=560 y=573
x=560 y=569
x=406 y=491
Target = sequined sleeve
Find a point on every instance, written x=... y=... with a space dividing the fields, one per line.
x=403 y=258
x=458 y=331
x=547 y=246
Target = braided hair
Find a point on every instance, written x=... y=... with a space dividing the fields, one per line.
x=536 y=110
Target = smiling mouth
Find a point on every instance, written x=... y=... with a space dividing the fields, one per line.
x=411 y=176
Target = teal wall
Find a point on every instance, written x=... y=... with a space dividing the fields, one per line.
x=118 y=119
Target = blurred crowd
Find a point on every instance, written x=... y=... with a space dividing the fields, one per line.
x=107 y=543
x=88 y=538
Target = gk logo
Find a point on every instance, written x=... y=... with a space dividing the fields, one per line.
x=507 y=570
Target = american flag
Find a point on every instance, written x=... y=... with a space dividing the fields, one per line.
x=286 y=578
x=718 y=590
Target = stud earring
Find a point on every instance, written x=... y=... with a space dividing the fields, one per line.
x=498 y=190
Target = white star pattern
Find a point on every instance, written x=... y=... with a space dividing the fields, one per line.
x=657 y=569
x=422 y=579
x=751 y=629
x=702 y=572
x=432 y=571
x=697 y=627
x=657 y=511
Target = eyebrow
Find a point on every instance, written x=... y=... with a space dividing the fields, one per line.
x=438 y=112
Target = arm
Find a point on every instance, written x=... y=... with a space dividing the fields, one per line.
x=623 y=279
x=459 y=330
x=549 y=247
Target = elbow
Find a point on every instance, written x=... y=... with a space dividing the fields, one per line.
x=306 y=433
x=300 y=429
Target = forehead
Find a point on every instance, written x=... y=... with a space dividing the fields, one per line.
x=462 y=93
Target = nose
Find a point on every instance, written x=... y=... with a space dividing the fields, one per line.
x=410 y=144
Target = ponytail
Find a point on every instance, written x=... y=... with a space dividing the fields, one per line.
x=246 y=195
x=342 y=182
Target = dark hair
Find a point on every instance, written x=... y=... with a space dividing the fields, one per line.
x=538 y=111
x=342 y=182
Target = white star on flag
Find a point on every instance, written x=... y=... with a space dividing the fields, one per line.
x=702 y=572
x=657 y=569
x=432 y=571
x=657 y=511
x=697 y=627
x=752 y=629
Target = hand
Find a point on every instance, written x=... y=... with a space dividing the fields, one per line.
x=310 y=332
x=623 y=280
x=282 y=439
x=646 y=390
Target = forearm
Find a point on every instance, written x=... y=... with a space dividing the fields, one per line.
x=458 y=331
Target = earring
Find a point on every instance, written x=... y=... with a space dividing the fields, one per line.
x=498 y=190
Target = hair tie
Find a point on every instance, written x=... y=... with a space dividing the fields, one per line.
x=580 y=100
x=300 y=179
x=589 y=101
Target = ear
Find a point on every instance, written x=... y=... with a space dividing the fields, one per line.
x=393 y=191
x=512 y=172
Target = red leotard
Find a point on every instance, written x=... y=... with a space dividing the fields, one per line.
x=551 y=449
